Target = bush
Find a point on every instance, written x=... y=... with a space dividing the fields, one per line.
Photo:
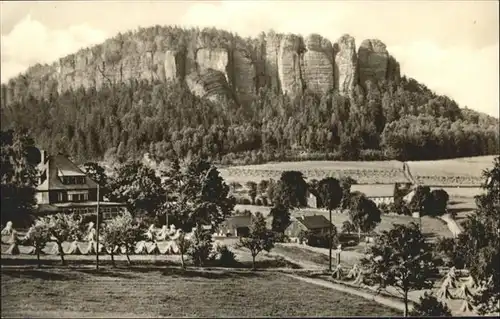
x=258 y=202
x=317 y=240
x=429 y=306
x=226 y=257
x=201 y=248
x=384 y=208
x=265 y=202
x=245 y=201
x=281 y=238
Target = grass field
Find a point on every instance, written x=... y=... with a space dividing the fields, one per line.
x=432 y=227
x=171 y=292
x=460 y=171
x=363 y=172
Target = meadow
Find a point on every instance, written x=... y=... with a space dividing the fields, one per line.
x=432 y=227
x=452 y=172
x=171 y=292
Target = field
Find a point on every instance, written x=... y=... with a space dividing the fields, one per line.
x=432 y=227
x=458 y=171
x=363 y=172
x=171 y=292
x=453 y=172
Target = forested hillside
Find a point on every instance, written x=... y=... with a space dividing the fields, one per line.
x=392 y=118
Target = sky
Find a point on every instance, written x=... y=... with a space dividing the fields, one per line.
x=450 y=46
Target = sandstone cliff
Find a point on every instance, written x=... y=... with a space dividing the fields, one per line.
x=216 y=63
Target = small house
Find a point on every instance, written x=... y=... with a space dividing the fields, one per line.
x=238 y=226
x=316 y=223
x=378 y=193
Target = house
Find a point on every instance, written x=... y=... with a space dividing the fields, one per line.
x=378 y=193
x=236 y=226
x=64 y=188
x=317 y=224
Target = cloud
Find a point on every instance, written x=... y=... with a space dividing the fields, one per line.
x=31 y=42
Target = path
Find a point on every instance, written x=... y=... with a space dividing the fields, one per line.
x=392 y=303
x=452 y=224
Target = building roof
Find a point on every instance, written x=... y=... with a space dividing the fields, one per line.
x=238 y=221
x=374 y=190
x=58 y=166
x=314 y=221
x=58 y=206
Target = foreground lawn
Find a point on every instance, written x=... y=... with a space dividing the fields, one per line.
x=171 y=292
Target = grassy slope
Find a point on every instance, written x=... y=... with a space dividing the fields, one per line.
x=431 y=226
x=168 y=292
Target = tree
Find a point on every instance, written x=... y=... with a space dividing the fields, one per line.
x=259 y=239
x=262 y=187
x=439 y=199
x=62 y=227
x=291 y=190
x=429 y=306
x=38 y=235
x=97 y=173
x=422 y=200
x=183 y=243
x=201 y=197
x=481 y=242
x=201 y=248
x=346 y=183
x=138 y=186
x=133 y=232
x=281 y=218
x=331 y=194
x=115 y=234
x=19 y=176
x=348 y=227
x=363 y=213
x=252 y=190
x=401 y=258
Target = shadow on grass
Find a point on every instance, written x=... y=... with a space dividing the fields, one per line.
x=36 y=274
x=113 y=272
x=459 y=210
x=6 y=261
x=208 y=273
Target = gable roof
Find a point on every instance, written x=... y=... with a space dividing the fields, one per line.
x=238 y=221
x=58 y=166
x=374 y=190
x=314 y=221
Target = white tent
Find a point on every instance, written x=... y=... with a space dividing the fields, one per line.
x=171 y=248
x=141 y=248
x=464 y=292
x=467 y=306
x=13 y=249
x=353 y=272
x=444 y=293
x=74 y=249
x=154 y=250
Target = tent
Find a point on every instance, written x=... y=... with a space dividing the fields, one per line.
x=55 y=250
x=13 y=249
x=353 y=273
x=172 y=248
x=337 y=272
x=360 y=279
x=444 y=293
x=467 y=306
x=449 y=282
x=464 y=292
x=154 y=250
x=74 y=249
x=116 y=251
x=91 y=248
x=141 y=248
x=471 y=282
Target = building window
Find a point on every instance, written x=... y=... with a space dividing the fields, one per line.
x=73 y=180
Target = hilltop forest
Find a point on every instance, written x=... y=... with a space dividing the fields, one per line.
x=397 y=118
